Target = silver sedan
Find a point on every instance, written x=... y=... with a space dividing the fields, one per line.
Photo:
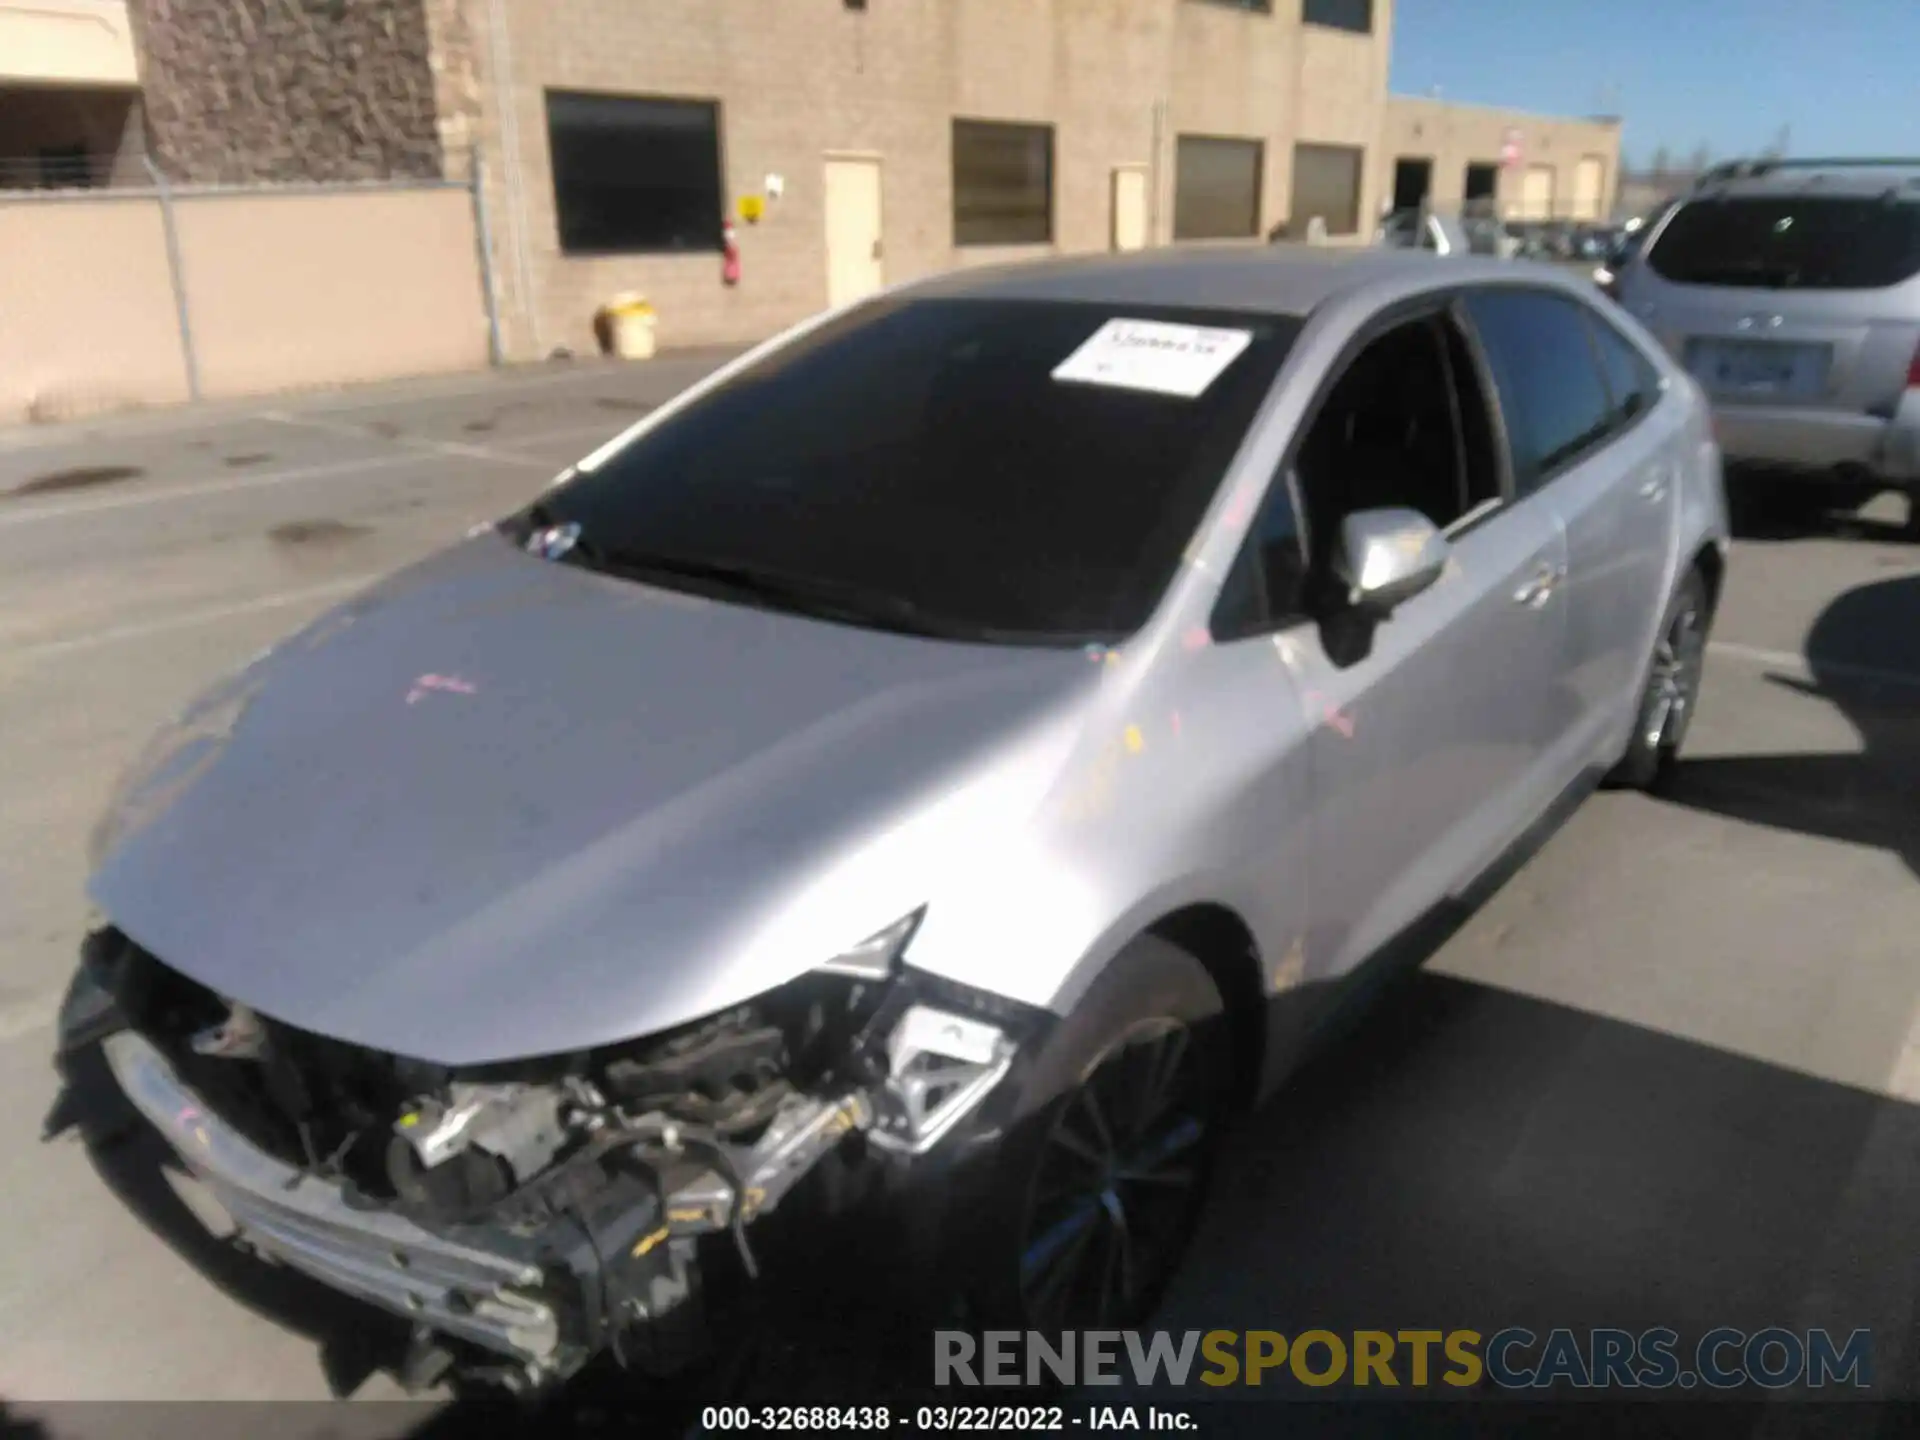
x=941 y=764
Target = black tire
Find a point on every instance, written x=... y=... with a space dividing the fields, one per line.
x=1154 y=1015
x=1670 y=694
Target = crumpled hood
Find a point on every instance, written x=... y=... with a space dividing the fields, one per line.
x=498 y=807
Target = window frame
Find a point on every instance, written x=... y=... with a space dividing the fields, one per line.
x=1259 y=147
x=1307 y=18
x=1446 y=305
x=1043 y=127
x=1598 y=327
x=589 y=252
x=1601 y=439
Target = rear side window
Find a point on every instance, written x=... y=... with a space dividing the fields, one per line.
x=1551 y=394
x=1791 y=242
x=1633 y=385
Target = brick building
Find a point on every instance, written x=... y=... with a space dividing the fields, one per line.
x=850 y=143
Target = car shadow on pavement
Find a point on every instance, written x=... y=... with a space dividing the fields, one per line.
x=1864 y=654
x=354 y=1341
x=1765 y=506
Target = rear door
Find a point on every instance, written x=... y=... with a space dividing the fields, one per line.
x=1588 y=435
x=1790 y=300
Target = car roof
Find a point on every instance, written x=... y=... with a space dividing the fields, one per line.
x=1284 y=279
x=1773 y=179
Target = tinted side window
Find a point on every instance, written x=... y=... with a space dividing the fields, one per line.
x=1543 y=366
x=1632 y=383
x=1267 y=580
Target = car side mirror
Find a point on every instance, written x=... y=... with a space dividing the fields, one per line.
x=1386 y=557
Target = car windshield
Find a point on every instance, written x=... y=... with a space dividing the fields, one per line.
x=1791 y=242
x=918 y=464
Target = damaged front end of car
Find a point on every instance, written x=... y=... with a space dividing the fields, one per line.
x=527 y=1217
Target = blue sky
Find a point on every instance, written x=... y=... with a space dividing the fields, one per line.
x=1844 y=75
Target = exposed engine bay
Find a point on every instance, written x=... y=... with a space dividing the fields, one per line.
x=612 y=1167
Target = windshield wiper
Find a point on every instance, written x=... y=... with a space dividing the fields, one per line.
x=817 y=596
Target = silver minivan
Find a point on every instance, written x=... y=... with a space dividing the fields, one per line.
x=1791 y=291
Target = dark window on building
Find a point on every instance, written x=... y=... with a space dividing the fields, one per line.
x=1354 y=15
x=1799 y=242
x=1545 y=370
x=1412 y=182
x=1326 y=182
x=1632 y=382
x=634 y=175
x=1482 y=181
x=1002 y=183
x=1216 y=188
x=915 y=463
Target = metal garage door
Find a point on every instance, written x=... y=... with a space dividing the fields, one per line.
x=1536 y=193
x=1589 y=178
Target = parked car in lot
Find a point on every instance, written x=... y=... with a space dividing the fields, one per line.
x=1791 y=290
x=1445 y=233
x=1627 y=242
x=932 y=771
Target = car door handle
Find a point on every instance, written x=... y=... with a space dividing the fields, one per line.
x=1654 y=488
x=1538 y=590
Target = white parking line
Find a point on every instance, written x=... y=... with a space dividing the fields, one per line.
x=186 y=618
x=193 y=489
x=421 y=444
x=1799 y=665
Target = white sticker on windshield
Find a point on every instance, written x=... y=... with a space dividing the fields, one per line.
x=1150 y=355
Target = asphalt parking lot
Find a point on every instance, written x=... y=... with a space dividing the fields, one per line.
x=1666 y=1075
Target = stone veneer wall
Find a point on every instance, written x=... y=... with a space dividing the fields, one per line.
x=241 y=91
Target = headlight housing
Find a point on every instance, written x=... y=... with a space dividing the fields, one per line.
x=876 y=957
x=933 y=1048
x=940 y=1065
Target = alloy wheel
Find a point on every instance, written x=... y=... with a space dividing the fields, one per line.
x=1118 y=1183
x=1674 y=685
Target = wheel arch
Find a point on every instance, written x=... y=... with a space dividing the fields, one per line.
x=1712 y=565
x=1216 y=936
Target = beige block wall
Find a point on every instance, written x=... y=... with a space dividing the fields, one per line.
x=283 y=290
x=1453 y=136
x=1343 y=97
x=293 y=290
x=88 y=310
x=800 y=79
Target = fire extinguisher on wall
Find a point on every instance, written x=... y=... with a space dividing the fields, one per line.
x=729 y=254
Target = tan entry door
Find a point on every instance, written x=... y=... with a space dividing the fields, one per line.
x=1536 y=193
x=855 y=266
x=1130 y=207
x=1588 y=177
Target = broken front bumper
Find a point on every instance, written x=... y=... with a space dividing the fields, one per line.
x=615 y=1267
x=494 y=1289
